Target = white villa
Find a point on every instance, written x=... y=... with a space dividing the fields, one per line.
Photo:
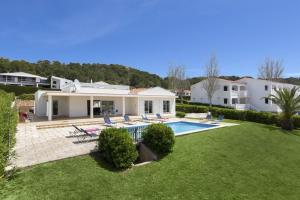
x=22 y=79
x=96 y=99
x=58 y=82
x=243 y=94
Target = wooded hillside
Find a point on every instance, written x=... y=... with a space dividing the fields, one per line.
x=112 y=73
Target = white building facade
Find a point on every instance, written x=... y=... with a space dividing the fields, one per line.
x=22 y=79
x=98 y=99
x=243 y=94
x=58 y=82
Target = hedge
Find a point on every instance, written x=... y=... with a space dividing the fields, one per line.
x=18 y=90
x=180 y=114
x=249 y=115
x=26 y=97
x=8 y=123
x=159 y=138
x=116 y=147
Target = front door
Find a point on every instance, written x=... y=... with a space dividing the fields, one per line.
x=55 y=107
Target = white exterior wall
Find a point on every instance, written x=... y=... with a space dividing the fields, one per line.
x=60 y=82
x=78 y=105
x=40 y=108
x=198 y=94
x=41 y=104
x=131 y=106
x=157 y=105
x=254 y=94
x=69 y=104
x=257 y=93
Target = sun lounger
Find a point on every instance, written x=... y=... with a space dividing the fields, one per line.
x=86 y=134
x=127 y=120
x=160 y=118
x=108 y=122
x=209 y=117
x=220 y=118
x=196 y=115
x=145 y=118
x=83 y=133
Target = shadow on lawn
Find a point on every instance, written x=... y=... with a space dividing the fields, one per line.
x=295 y=132
x=102 y=163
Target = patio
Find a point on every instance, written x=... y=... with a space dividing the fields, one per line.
x=40 y=142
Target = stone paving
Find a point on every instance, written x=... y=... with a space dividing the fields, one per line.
x=35 y=146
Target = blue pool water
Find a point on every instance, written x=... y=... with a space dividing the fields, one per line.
x=179 y=128
x=184 y=127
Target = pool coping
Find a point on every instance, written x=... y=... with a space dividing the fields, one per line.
x=216 y=125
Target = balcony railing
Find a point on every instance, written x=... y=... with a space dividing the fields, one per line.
x=241 y=93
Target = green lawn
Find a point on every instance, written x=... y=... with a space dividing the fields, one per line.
x=250 y=161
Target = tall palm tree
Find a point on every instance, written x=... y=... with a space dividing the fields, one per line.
x=288 y=101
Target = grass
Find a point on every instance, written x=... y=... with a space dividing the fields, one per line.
x=250 y=161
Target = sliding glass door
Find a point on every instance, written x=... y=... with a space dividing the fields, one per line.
x=101 y=108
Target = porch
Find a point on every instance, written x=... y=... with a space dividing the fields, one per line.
x=74 y=105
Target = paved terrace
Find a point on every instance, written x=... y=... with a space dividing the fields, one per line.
x=39 y=142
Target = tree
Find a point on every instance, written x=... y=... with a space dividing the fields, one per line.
x=289 y=102
x=271 y=70
x=210 y=84
x=177 y=81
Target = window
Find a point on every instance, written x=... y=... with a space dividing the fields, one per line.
x=225 y=88
x=234 y=101
x=54 y=82
x=148 y=107
x=166 y=106
x=266 y=88
x=55 y=107
x=266 y=101
x=225 y=101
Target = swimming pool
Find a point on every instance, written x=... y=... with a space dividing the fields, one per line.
x=179 y=128
x=182 y=127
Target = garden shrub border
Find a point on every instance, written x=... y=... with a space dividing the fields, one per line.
x=116 y=147
x=249 y=115
x=8 y=124
x=159 y=138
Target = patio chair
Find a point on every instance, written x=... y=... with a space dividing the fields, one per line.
x=145 y=118
x=220 y=118
x=209 y=117
x=108 y=122
x=86 y=134
x=127 y=120
x=160 y=118
x=79 y=131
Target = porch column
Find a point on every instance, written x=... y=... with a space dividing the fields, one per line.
x=50 y=108
x=138 y=106
x=91 y=107
x=123 y=106
x=174 y=106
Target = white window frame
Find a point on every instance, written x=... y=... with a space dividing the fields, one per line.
x=147 y=105
x=167 y=106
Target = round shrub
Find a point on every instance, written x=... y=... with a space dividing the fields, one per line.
x=116 y=147
x=180 y=114
x=159 y=138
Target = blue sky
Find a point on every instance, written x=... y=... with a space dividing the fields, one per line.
x=154 y=34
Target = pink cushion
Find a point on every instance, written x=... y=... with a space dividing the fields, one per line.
x=91 y=129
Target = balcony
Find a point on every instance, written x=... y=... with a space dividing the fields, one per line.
x=241 y=106
x=12 y=82
x=241 y=93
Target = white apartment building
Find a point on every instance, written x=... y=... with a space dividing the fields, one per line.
x=22 y=79
x=243 y=94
